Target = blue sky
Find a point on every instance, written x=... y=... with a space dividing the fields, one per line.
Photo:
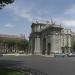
x=17 y=18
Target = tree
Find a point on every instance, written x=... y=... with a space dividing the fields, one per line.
x=11 y=44
x=23 y=45
x=5 y=2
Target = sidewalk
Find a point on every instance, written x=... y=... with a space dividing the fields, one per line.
x=16 y=54
x=51 y=55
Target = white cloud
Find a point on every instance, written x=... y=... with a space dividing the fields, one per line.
x=70 y=14
x=69 y=23
x=21 y=11
x=65 y=22
x=26 y=12
x=68 y=17
x=8 y=25
x=70 y=11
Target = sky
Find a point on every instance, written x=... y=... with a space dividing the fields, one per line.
x=16 y=18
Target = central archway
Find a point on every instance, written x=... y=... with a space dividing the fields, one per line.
x=44 y=46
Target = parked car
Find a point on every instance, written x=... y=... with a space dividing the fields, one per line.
x=59 y=55
x=71 y=54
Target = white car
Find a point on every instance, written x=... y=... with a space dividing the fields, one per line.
x=71 y=55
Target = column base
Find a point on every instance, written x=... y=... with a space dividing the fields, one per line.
x=37 y=53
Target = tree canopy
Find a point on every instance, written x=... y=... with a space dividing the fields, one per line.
x=14 y=44
x=5 y=2
x=22 y=45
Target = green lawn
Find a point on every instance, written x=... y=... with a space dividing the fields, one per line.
x=10 y=72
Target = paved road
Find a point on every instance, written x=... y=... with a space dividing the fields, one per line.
x=52 y=66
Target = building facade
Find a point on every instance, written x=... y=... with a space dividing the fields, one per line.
x=48 y=37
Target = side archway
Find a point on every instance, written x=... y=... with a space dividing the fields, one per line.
x=48 y=48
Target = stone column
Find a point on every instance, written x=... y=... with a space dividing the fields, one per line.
x=56 y=43
x=37 y=46
x=31 y=46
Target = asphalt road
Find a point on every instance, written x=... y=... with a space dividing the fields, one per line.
x=51 y=66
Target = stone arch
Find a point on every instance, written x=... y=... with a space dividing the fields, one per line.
x=44 y=46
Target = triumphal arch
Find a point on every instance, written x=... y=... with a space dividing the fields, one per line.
x=46 y=37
